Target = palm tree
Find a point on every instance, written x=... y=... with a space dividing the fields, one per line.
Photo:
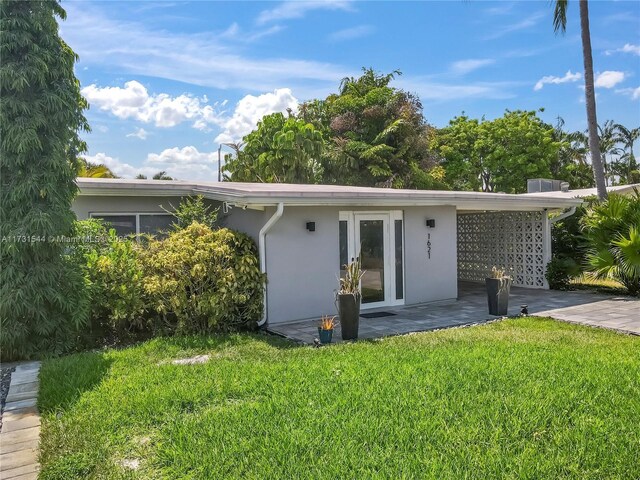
x=608 y=146
x=560 y=24
x=93 y=170
x=627 y=137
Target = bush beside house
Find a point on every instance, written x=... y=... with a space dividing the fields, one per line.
x=600 y=241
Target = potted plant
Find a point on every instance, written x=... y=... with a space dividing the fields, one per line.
x=498 y=288
x=325 y=329
x=348 y=299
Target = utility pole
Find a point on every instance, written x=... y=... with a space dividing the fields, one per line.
x=219 y=163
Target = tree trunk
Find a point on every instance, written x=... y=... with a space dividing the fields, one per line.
x=590 y=99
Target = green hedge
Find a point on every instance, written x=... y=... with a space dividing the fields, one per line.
x=200 y=280
x=196 y=280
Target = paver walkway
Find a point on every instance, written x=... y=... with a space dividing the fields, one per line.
x=21 y=425
x=615 y=312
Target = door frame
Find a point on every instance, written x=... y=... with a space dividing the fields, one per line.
x=352 y=217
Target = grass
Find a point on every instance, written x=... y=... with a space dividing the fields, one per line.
x=521 y=398
x=601 y=285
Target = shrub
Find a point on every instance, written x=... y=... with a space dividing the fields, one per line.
x=113 y=275
x=569 y=250
x=201 y=280
x=612 y=230
x=193 y=209
x=560 y=271
x=116 y=285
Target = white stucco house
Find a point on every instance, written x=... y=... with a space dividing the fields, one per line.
x=416 y=245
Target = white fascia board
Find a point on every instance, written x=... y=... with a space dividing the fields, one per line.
x=471 y=201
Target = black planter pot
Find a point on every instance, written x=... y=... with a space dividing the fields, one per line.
x=498 y=295
x=349 y=310
x=325 y=335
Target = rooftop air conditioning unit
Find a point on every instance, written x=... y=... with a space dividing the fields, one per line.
x=546 y=185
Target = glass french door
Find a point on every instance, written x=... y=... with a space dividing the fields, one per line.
x=377 y=238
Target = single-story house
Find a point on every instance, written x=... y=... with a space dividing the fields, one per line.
x=415 y=244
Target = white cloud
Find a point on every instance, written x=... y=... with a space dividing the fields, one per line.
x=234 y=32
x=134 y=101
x=121 y=169
x=351 y=33
x=530 y=21
x=627 y=48
x=250 y=109
x=634 y=93
x=185 y=155
x=550 y=79
x=609 y=79
x=185 y=163
x=140 y=133
x=428 y=90
x=205 y=58
x=465 y=66
x=297 y=9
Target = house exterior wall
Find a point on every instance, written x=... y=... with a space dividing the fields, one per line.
x=303 y=267
x=247 y=221
x=84 y=205
x=435 y=278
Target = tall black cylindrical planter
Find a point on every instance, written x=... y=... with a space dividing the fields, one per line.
x=349 y=309
x=498 y=295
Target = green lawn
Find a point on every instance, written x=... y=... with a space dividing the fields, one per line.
x=521 y=398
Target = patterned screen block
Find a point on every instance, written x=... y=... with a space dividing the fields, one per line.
x=510 y=240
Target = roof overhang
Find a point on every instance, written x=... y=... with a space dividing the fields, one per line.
x=260 y=195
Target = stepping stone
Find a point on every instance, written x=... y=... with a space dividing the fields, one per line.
x=32 y=420
x=23 y=435
x=22 y=458
x=17 y=446
x=28 y=471
x=18 y=396
x=20 y=404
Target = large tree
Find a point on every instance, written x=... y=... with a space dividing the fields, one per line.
x=42 y=299
x=496 y=155
x=89 y=169
x=377 y=135
x=282 y=149
x=560 y=24
x=626 y=167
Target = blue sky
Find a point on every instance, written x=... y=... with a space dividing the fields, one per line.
x=168 y=81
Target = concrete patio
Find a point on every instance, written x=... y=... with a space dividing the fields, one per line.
x=606 y=311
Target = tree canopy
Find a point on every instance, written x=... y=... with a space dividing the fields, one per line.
x=370 y=133
x=496 y=155
x=42 y=295
x=367 y=134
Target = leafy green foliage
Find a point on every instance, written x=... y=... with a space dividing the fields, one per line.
x=568 y=246
x=43 y=301
x=281 y=150
x=560 y=271
x=93 y=170
x=368 y=134
x=377 y=135
x=547 y=399
x=194 y=209
x=612 y=232
x=115 y=274
x=496 y=155
x=203 y=280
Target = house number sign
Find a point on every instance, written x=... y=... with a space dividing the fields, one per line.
x=429 y=246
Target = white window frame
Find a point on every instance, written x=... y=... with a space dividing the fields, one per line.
x=129 y=214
